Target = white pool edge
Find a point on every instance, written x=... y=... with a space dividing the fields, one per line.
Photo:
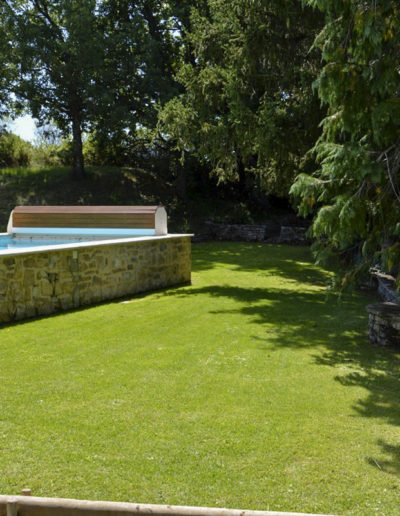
x=88 y=243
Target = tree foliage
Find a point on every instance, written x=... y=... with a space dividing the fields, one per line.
x=8 y=68
x=247 y=105
x=93 y=66
x=355 y=194
x=14 y=152
x=59 y=55
x=140 y=53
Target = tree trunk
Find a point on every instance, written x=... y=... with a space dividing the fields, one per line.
x=242 y=177
x=78 y=169
x=180 y=182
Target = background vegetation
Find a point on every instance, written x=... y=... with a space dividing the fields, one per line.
x=275 y=96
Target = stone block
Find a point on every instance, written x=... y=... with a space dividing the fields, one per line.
x=9 y=262
x=20 y=312
x=73 y=265
x=384 y=323
x=29 y=278
x=46 y=288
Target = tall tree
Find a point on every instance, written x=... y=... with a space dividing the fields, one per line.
x=141 y=49
x=355 y=194
x=247 y=105
x=7 y=66
x=95 y=66
x=60 y=55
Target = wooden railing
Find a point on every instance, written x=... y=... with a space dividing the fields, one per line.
x=34 y=506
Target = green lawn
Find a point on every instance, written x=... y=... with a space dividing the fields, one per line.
x=248 y=389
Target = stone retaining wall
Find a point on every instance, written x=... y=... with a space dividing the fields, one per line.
x=384 y=324
x=44 y=282
x=238 y=232
x=270 y=232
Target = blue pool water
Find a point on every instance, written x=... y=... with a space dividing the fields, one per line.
x=28 y=237
x=7 y=243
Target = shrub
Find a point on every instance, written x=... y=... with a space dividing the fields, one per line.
x=14 y=151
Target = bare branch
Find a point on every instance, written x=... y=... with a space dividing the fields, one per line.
x=391 y=178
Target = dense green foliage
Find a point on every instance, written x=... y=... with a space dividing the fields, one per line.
x=247 y=106
x=110 y=185
x=5 y=68
x=14 y=152
x=185 y=89
x=97 y=67
x=239 y=79
x=139 y=56
x=356 y=192
x=60 y=55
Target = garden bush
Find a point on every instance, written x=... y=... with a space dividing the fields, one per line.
x=14 y=151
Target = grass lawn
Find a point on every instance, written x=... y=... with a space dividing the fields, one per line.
x=247 y=389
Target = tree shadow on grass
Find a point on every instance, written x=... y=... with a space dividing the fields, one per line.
x=304 y=318
x=288 y=262
x=378 y=373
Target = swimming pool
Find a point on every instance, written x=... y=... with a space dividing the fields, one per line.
x=57 y=258
x=36 y=241
x=7 y=242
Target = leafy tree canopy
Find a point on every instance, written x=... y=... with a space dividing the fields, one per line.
x=355 y=194
x=8 y=69
x=247 y=105
x=59 y=55
x=139 y=58
x=98 y=66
